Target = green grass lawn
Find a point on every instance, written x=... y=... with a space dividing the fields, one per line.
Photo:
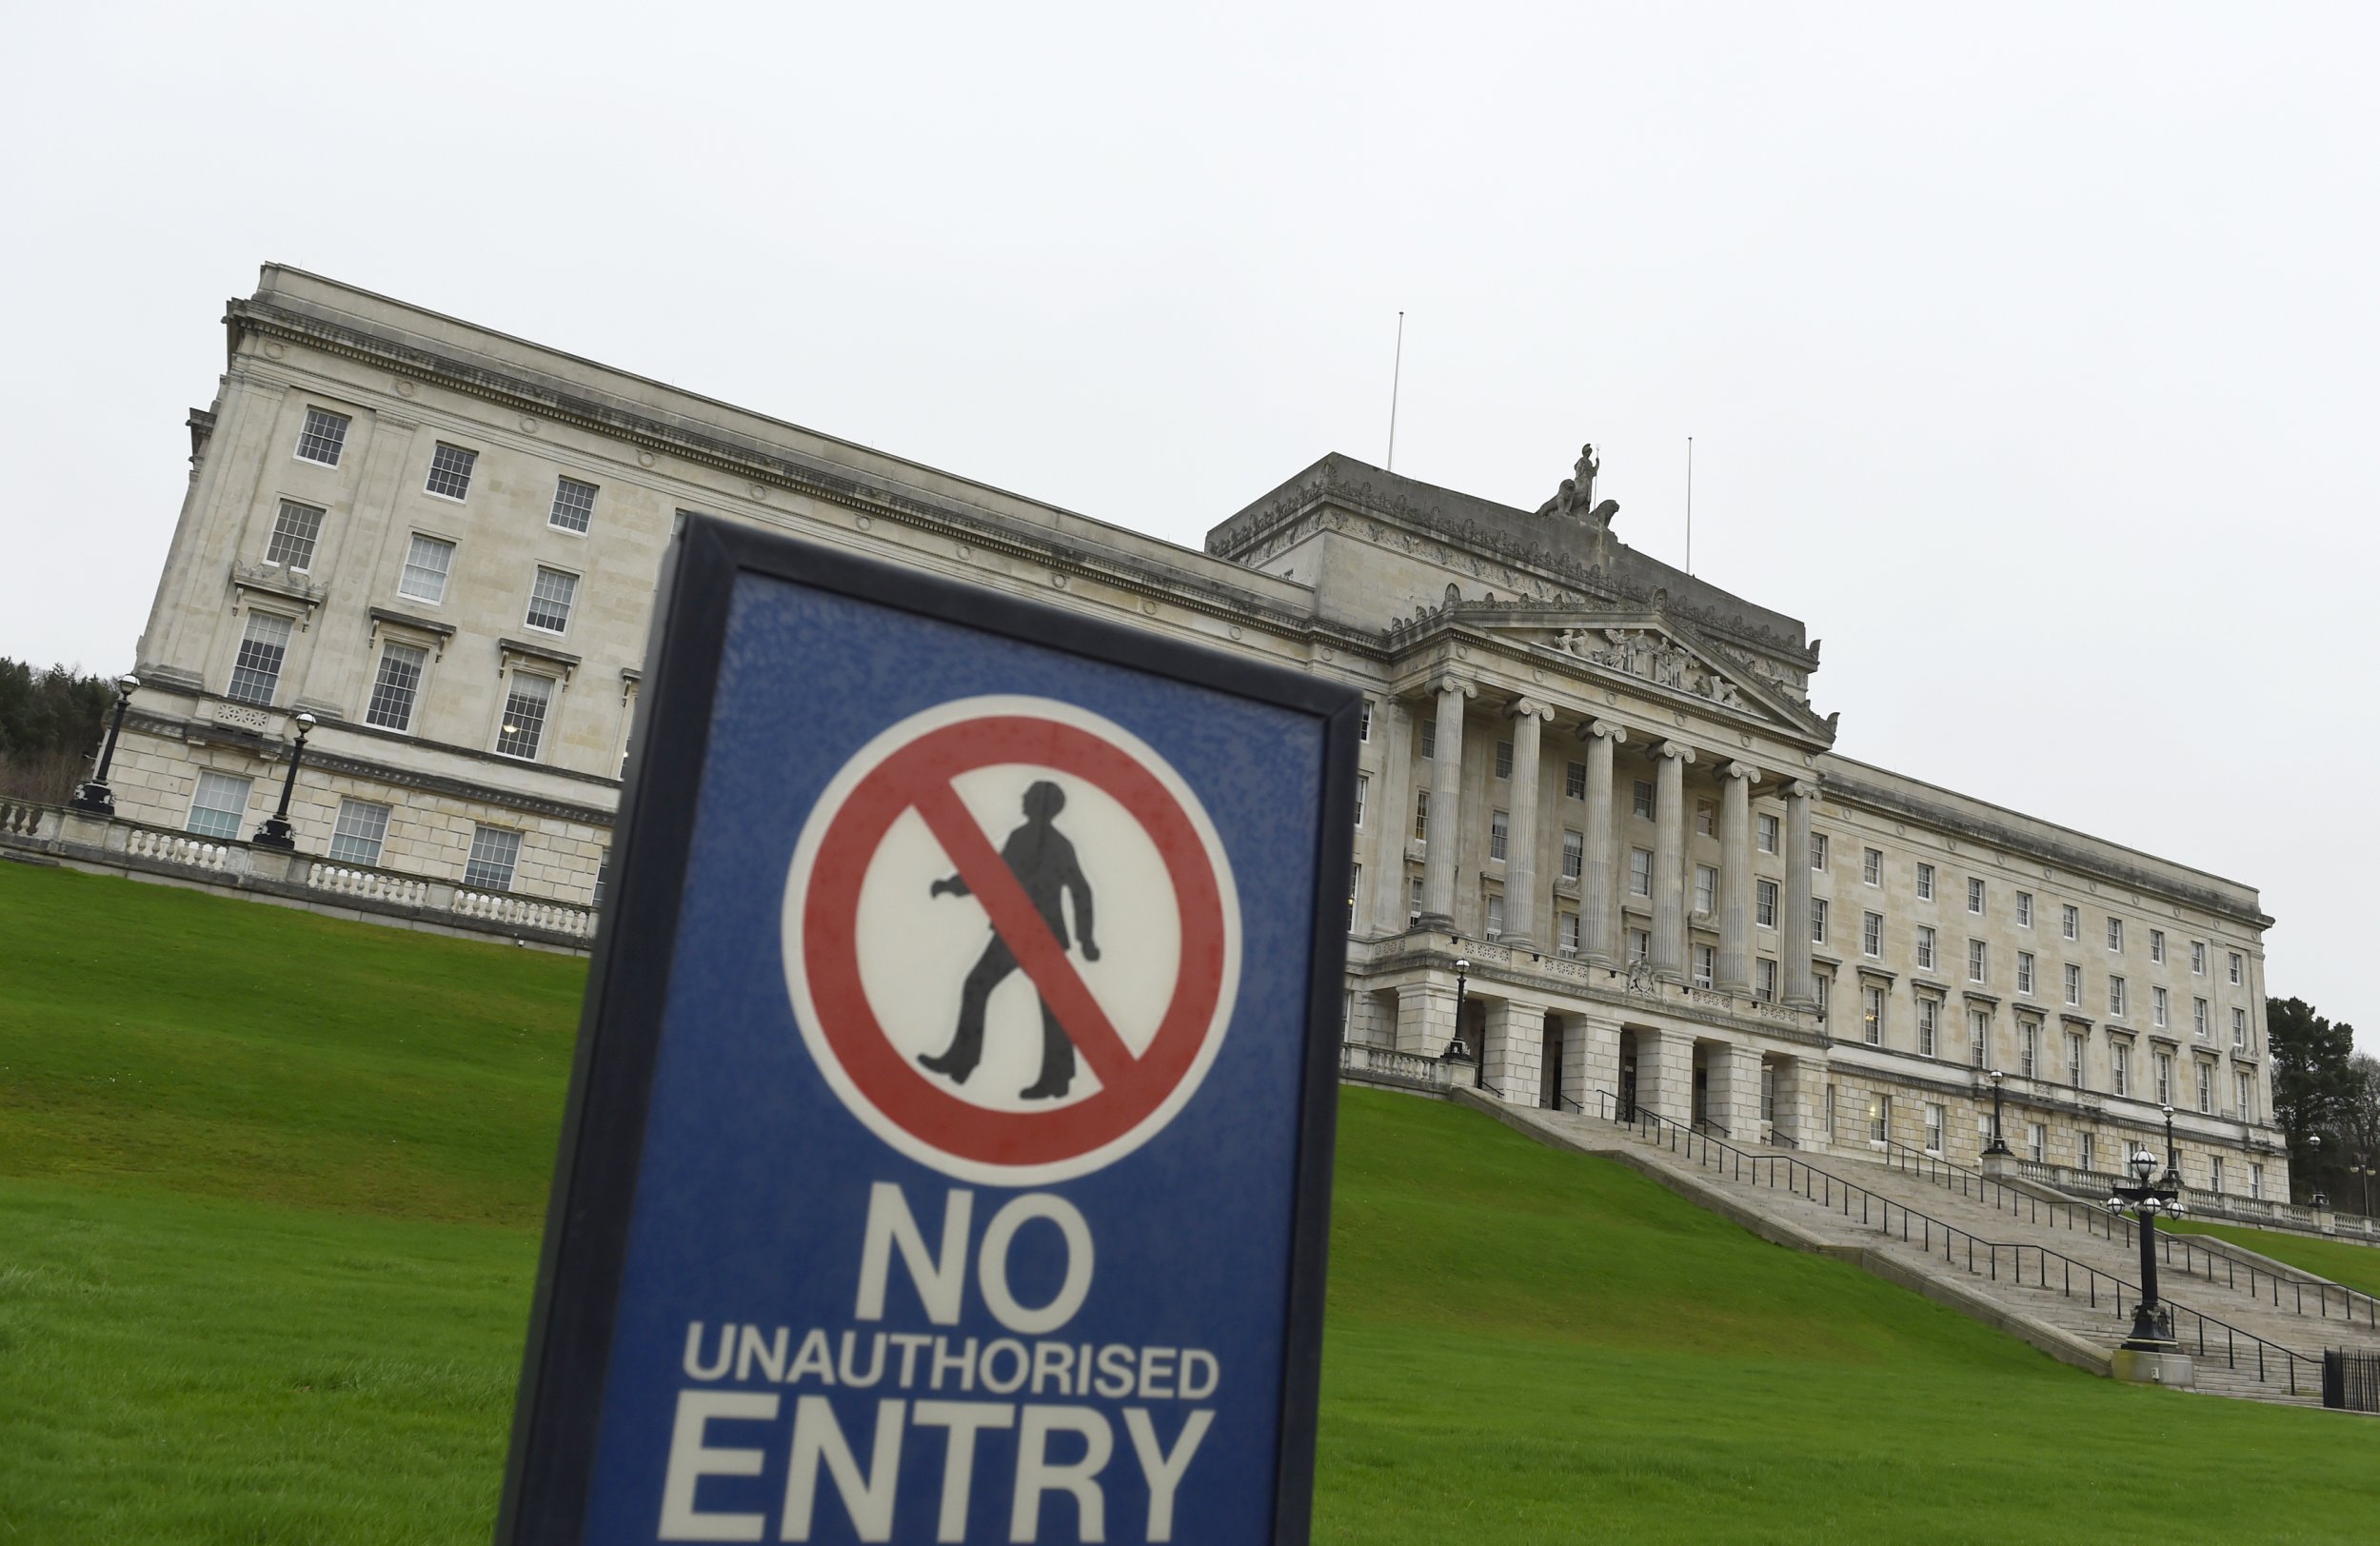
x=2341 y=1262
x=269 y=1194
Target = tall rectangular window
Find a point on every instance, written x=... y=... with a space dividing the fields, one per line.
x=1871 y=1013
x=2163 y=1063
x=2115 y=996
x=1706 y=965
x=1569 y=934
x=427 y=562
x=1976 y=960
x=2256 y=1179
x=1429 y=737
x=1817 y=850
x=2115 y=934
x=550 y=598
x=1363 y=788
x=2036 y=1142
x=1764 y=903
x=1421 y=815
x=362 y=827
x=1978 y=1037
x=574 y=505
x=1925 y=882
x=1935 y=1125
x=1879 y=1118
x=1929 y=1027
x=451 y=471
x=495 y=853
x=2069 y=922
x=2197 y=958
x=2239 y=1029
x=2120 y=1067
x=603 y=876
x=1355 y=892
x=1872 y=934
x=524 y=715
x=1363 y=723
x=1706 y=889
x=396 y=688
x=2156 y=1007
x=2198 y=1019
x=1765 y=832
x=219 y=805
x=1872 y=867
x=1413 y=902
x=1639 y=947
x=1503 y=758
x=2074 y=1061
x=2087 y=1150
x=2024 y=971
x=1925 y=948
x=1495 y=915
x=1573 y=855
x=2205 y=1089
x=1640 y=872
x=2247 y=1089
x=1707 y=817
x=1764 y=979
x=1818 y=920
x=2024 y=910
x=1499 y=834
x=1825 y=987
x=1975 y=895
x=1575 y=779
x=2157 y=946
x=2237 y=972
x=256 y=670
x=1640 y=799
x=294 y=530
x=323 y=438
x=2073 y=985
x=2029 y=1050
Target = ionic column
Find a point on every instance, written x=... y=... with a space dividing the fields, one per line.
x=1668 y=862
x=1439 y=865
x=1793 y=928
x=1736 y=780
x=1599 y=916
x=1520 y=845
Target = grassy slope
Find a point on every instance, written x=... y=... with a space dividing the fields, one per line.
x=270 y=1189
x=2341 y=1262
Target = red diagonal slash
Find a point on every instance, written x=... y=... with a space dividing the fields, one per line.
x=1023 y=930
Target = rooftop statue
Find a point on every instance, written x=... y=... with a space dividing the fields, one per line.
x=1575 y=498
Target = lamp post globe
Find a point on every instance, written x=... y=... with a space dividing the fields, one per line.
x=1456 y=1051
x=94 y=796
x=2314 y=1142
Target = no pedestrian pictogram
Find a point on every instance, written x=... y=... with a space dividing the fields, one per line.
x=1021 y=1011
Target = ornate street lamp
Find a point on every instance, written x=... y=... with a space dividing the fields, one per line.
x=2148 y=1196
x=2173 y=1155
x=2314 y=1142
x=1455 y=1051
x=2364 y=1167
x=1999 y=1144
x=275 y=833
x=94 y=796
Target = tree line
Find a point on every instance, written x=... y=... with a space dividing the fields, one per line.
x=50 y=721
x=2326 y=1096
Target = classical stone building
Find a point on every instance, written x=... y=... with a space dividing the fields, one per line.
x=1593 y=779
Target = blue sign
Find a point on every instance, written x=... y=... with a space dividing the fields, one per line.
x=947 y=1158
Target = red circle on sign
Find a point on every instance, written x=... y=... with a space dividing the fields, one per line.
x=919 y=776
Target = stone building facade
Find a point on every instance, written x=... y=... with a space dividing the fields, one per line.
x=1596 y=780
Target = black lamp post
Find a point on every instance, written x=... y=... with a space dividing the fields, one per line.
x=2314 y=1142
x=94 y=796
x=1456 y=1051
x=2173 y=1155
x=1999 y=1144
x=275 y=833
x=2148 y=1196
x=2364 y=1167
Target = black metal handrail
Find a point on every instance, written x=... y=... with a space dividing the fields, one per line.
x=2193 y=1255
x=1803 y=1180
x=1706 y=1124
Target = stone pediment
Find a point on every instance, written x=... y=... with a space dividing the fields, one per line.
x=1652 y=649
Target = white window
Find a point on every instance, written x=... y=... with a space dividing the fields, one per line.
x=256 y=670
x=2157 y=946
x=1706 y=964
x=2197 y=958
x=1503 y=758
x=1871 y=1013
x=1575 y=779
x=1499 y=834
x=1825 y=987
x=1641 y=799
x=1355 y=892
x=2024 y=971
x=1639 y=945
x=294 y=531
x=2156 y=1007
x=2115 y=996
x=397 y=686
x=2214 y=1168
x=574 y=505
x=1768 y=1092
x=2199 y=1017
x=1363 y=788
x=2163 y=1063
x=2036 y=1142
x=2256 y=1179
x=1818 y=920
x=2087 y=1150
x=1764 y=828
x=1975 y=895
x=1978 y=1036
x=550 y=598
x=1640 y=872
x=1925 y=882
x=2024 y=910
x=2070 y=922
x=525 y=706
x=1495 y=915
x=1934 y=1128
x=2235 y=969
x=2028 y=1049
x=360 y=828
x=1925 y=948
x=2205 y=1089
x=1421 y=815
x=1817 y=850
x=1568 y=934
x=603 y=876
x=1976 y=960
x=1363 y=723
x=1929 y=1027
x=1706 y=889
x=2115 y=934
x=1764 y=979
x=495 y=853
x=1706 y=818
x=2073 y=985
x=1879 y=1118
x=1872 y=934
x=451 y=471
x=1764 y=903
x=1429 y=737
x=1872 y=865
x=324 y=437
x=2247 y=1098
x=220 y=805
x=1573 y=855
x=2120 y=1066
x=1413 y=905
x=2239 y=1028
x=425 y=564
x=2073 y=1062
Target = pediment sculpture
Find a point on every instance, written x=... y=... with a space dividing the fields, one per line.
x=1649 y=656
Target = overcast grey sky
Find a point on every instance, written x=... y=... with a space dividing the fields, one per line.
x=2029 y=356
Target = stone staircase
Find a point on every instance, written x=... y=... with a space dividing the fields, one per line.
x=2060 y=1275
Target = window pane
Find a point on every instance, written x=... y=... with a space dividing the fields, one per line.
x=218 y=807
x=395 y=688
x=293 y=533
x=574 y=505
x=549 y=599
x=495 y=851
x=256 y=670
x=525 y=716
x=357 y=837
x=451 y=471
x=324 y=437
x=425 y=564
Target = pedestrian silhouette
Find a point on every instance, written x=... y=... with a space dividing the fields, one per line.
x=1043 y=862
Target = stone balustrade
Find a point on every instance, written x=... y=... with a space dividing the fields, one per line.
x=181 y=849
x=26 y=819
x=522 y=912
x=1363 y=1064
x=367 y=885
